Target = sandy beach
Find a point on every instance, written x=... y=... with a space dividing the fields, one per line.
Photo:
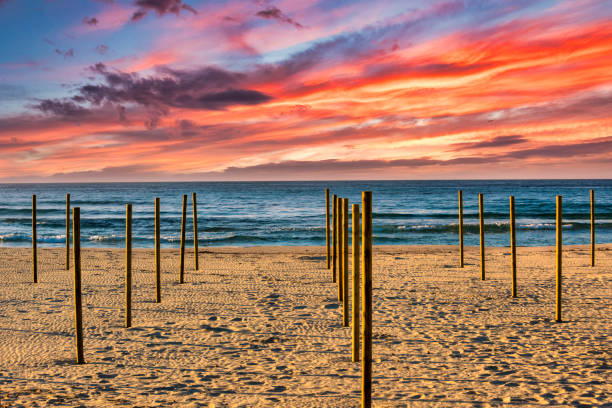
x=262 y=326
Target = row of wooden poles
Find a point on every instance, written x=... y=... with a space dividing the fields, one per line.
x=337 y=260
x=337 y=238
x=338 y=209
x=76 y=248
x=558 y=244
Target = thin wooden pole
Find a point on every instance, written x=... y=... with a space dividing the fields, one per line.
x=183 y=222
x=195 y=231
x=67 y=232
x=513 y=245
x=366 y=295
x=345 y=274
x=128 y=265
x=482 y=239
x=78 y=306
x=461 y=264
x=334 y=237
x=328 y=250
x=558 y=316
x=592 y=228
x=340 y=247
x=34 y=239
x=355 y=316
x=157 y=255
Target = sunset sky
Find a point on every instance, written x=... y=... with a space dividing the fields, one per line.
x=163 y=90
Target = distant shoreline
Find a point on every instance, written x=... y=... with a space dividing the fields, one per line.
x=294 y=181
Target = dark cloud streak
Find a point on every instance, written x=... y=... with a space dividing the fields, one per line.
x=101 y=49
x=597 y=146
x=161 y=7
x=61 y=108
x=208 y=88
x=274 y=13
x=65 y=54
x=600 y=146
x=92 y=21
x=500 y=141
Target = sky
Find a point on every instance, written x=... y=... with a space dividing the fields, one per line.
x=168 y=90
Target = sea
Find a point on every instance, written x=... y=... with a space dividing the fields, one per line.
x=293 y=213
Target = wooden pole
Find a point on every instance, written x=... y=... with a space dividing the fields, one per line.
x=195 y=231
x=340 y=248
x=482 y=239
x=592 y=228
x=327 y=227
x=78 y=306
x=461 y=264
x=183 y=221
x=128 y=265
x=513 y=245
x=334 y=237
x=67 y=232
x=366 y=295
x=355 y=316
x=558 y=317
x=157 y=255
x=345 y=274
x=34 y=252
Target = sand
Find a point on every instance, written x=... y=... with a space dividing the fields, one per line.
x=262 y=327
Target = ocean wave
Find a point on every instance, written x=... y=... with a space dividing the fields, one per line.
x=296 y=228
x=496 y=227
x=55 y=239
x=105 y=238
x=16 y=237
x=491 y=214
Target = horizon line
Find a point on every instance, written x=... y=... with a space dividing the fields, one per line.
x=297 y=181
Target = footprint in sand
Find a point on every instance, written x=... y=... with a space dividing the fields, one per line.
x=215 y=329
x=331 y=306
x=155 y=335
x=106 y=376
x=481 y=339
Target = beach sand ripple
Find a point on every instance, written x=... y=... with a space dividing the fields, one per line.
x=262 y=327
